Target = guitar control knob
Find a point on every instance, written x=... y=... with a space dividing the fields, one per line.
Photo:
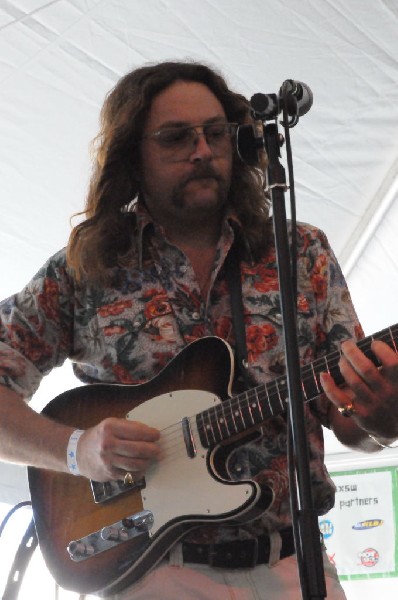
x=128 y=523
x=114 y=534
x=110 y=533
x=144 y=522
x=77 y=549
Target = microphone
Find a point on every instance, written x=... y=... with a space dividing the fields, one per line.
x=297 y=96
x=302 y=92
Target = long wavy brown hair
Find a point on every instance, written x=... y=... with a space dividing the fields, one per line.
x=104 y=238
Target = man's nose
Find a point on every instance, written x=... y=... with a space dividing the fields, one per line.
x=202 y=150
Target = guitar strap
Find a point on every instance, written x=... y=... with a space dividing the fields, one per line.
x=233 y=274
x=28 y=545
x=22 y=557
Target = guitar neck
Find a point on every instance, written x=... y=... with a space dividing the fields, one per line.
x=251 y=408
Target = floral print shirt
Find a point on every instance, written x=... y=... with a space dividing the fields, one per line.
x=127 y=332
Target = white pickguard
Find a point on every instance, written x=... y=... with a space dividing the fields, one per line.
x=178 y=485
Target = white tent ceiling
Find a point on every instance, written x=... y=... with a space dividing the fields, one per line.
x=59 y=58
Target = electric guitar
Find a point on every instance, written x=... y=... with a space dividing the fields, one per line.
x=101 y=537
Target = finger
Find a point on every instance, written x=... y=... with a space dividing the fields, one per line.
x=341 y=397
x=386 y=355
x=377 y=382
x=136 y=449
x=363 y=366
x=338 y=395
x=361 y=388
x=372 y=375
x=134 y=430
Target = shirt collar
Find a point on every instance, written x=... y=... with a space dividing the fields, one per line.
x=145 y=222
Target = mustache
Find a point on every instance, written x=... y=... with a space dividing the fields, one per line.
x=202 y=172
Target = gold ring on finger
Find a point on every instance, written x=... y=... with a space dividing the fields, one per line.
x=347 y=410
x=128 y=479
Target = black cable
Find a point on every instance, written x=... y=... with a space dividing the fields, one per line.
x=289 y=160
x=11 y=512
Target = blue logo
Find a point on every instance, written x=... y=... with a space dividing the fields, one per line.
x=326 y=528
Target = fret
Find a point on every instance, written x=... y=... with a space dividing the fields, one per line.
x=394 y=327
x=247 y=417
x=223 y=422
x=392 y=340
x=227 y=417
x=256 y=406
x=274 y=397
x=217 y=420
x=325 y=360
x=259 y=404
x=208 y=426
x=333 y=367
x=202 y=430
x=310 y=382
x=238 y=413
x=262 y=403
x=279 y=393
x=253 y=407
x=269 y=401
x=318 y=389
x=249 y=408
x=233 y=415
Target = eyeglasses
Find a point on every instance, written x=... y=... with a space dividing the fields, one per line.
x=181 y=141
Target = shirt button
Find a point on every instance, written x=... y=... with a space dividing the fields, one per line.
x=195 y=316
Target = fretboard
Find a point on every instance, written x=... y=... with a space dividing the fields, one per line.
x=251 y=408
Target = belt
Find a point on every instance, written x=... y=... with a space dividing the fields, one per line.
x=241 y=554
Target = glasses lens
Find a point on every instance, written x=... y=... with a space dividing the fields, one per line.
x=182 y=140
x=175 y=137
x=217 y=133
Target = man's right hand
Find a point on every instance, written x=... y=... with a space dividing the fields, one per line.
x=116 y=446
x=104 y=452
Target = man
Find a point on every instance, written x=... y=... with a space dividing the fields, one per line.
x=142 y=277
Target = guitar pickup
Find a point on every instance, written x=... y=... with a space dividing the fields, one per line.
x=104 y=491
x=110 y=536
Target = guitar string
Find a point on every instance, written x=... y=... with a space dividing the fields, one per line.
x=232 y=413
x=279 y=384
x=235 y=402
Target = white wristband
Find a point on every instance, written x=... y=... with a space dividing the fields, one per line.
x=71 y=452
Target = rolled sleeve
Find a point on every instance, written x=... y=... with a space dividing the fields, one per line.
x=36 y=328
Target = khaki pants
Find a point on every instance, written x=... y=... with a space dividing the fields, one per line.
x=173 y=580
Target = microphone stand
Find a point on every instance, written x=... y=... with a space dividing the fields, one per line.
x=305 y=520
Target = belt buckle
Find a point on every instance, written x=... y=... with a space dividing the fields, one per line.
x=247 y=556
x=211 y=554
x=234 y=558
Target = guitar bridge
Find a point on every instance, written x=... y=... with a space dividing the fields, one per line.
x=104 y=491
x=110 y=536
